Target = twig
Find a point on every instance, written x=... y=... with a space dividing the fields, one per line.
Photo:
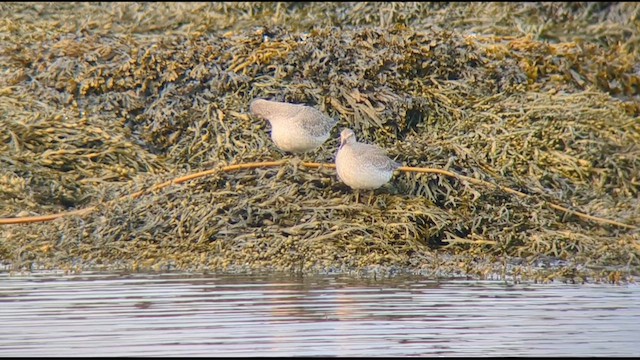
x=41 y=218
x=515 y=192
x=228 y=168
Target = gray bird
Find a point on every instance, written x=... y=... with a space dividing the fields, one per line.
x=295 y=128
x=362 y=166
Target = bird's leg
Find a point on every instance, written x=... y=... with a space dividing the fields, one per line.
x=370 y=197
x=357 y=195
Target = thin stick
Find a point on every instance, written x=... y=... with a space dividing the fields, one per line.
x=40 y=218
x=229 y=168
x=515 y=192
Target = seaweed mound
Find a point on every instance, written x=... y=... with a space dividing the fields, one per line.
x=99 y=108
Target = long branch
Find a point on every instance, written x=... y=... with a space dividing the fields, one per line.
x=229 y=168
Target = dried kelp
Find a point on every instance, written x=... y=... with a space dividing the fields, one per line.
x=98 y=108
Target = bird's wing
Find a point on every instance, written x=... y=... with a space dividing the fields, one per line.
x=376 y=156
x=314 y=121
x=273 y=110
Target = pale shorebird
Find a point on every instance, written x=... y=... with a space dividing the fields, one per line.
x=362 y=166
x=295 y=128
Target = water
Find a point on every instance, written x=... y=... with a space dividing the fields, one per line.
x=93 y=314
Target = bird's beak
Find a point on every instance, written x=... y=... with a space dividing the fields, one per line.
x=342 y=142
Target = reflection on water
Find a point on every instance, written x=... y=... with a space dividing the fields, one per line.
x=248 y=315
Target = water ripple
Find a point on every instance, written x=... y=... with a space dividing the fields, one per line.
x=95 y=314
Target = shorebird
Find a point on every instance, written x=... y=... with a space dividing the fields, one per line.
x=295 y=128
x=362 y=166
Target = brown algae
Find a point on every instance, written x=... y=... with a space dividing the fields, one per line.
x=96 y=109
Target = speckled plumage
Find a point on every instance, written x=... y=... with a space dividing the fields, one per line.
x=362 y=166
x=295 y=128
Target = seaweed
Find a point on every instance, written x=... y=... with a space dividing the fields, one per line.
x=540 y=100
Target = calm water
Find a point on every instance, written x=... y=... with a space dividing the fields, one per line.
x=93 y=314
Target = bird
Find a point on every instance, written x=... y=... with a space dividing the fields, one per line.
x=295 y=128
x=362 y=166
